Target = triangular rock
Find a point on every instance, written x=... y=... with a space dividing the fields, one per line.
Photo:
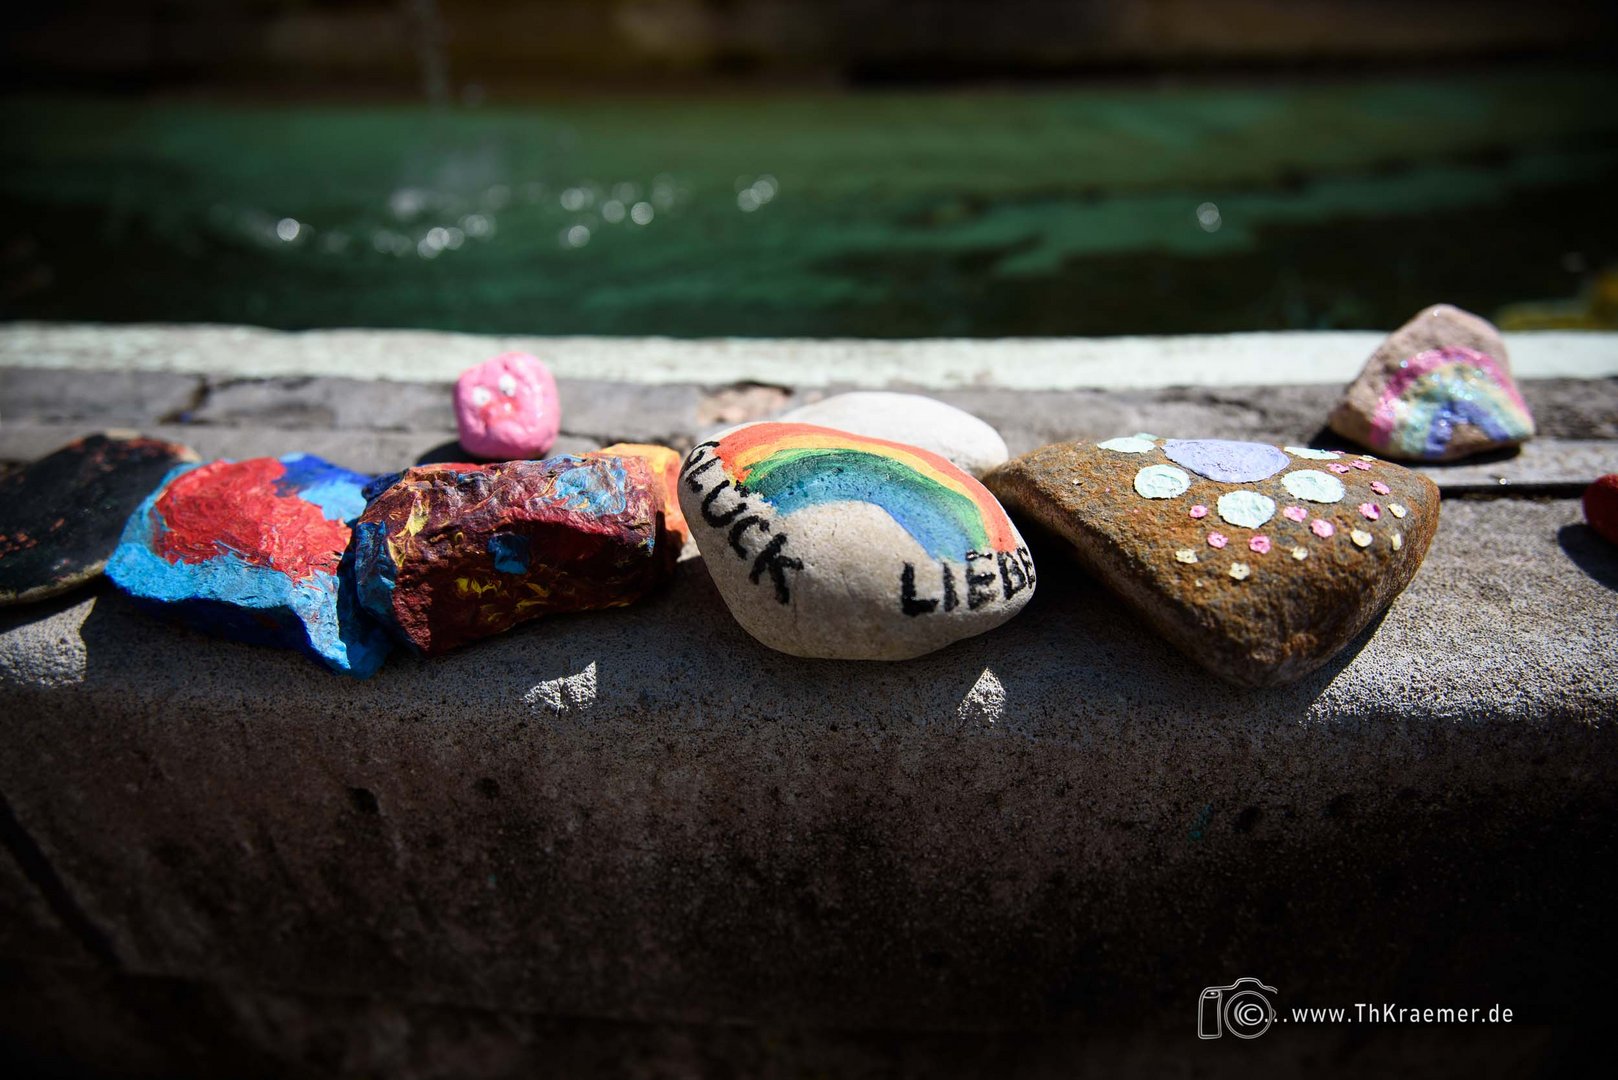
x=1439 y=388
x=1258 y=562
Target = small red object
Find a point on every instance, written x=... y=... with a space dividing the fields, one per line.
x=1601 y=506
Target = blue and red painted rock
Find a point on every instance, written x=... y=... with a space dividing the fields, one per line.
x=1260 y=580
x=60 y=517
x=254 y=550
x=1439 y=388
x=1601 y=507
x=452 y=553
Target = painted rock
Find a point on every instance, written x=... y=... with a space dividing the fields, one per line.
x=913 y=420
x=453 y=553
x=60 y=518
x=254 y=550
x=665 y=466
x=1258 y=562
x=1601 y=506
x=828 y=544
x=507 y=408
x=1437 y=389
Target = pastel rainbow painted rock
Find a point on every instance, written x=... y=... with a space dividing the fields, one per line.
x=1439 y=388
x=829 y=544
x=452 y=553
x=253 y=550
x=507 y=408
x=61 y=516
x=1258 y=562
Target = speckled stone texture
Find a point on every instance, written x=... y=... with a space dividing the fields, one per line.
x=838 y=546
x=61 y=516
x=1439 y=388
x=1260 y=582
x=453 y=553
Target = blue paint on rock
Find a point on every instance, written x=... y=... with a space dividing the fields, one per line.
x=510 y=551
x=225 y=595
x=1226 y=460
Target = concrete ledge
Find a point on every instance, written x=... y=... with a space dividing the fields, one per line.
x=643 y=814
x=643 y=818
x=933 y=363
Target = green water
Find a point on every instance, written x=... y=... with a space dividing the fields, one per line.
x=1345 y=204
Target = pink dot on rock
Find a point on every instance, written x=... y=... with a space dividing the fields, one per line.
x=1360 y=464
x=1295 y=513
x=1380 y=488
x=1217 y=540
x=1336 y=468
x=1371 y=511
x=1260 y=544
x=1321 y=528
x=1199 y=511
x=507 y=408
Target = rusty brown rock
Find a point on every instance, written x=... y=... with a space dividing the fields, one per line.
x=1259 y=581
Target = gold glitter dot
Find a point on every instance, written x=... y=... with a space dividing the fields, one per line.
x=1360 y=537
x=1239 y=571
x=1396 y=510
x=1186 y=555
x=1367 y=457
x=1300 y=553
x=1397 y=541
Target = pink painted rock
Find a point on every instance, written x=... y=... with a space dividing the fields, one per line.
x=507 y=408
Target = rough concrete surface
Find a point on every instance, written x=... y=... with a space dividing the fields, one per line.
x=636 y=840
x=721 y=833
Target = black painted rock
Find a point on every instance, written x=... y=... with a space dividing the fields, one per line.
x=1258 y=562
x=60 y=518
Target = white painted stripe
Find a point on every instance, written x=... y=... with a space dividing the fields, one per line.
x=933 y=363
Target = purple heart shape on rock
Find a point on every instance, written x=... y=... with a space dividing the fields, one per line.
x=1226 y=460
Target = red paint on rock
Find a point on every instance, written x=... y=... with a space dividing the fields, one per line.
x=232 y=507
x=1601 y=507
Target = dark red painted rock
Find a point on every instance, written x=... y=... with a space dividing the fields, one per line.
x=1601 y=507
x=453 y=553
x=60 y=518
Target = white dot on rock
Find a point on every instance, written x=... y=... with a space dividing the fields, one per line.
x=1129 y=444
x=1161 y=482
x=1312 y=485
x=1247 y=509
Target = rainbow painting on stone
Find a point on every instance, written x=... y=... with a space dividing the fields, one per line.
x=1433 y=392
x=796 y=466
